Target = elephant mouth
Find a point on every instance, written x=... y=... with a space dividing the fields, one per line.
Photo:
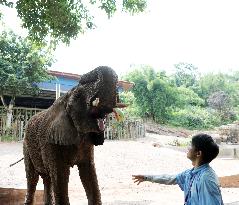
x=100 y=114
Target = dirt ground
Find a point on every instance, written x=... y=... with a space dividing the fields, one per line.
x=116 y=162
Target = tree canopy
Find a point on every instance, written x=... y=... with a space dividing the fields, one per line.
x=22 y=64
x=185 y=98
x=65 y=19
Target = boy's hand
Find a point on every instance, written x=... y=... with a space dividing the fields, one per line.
x=138 y=178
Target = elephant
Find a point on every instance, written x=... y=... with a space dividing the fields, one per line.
x=64 y=135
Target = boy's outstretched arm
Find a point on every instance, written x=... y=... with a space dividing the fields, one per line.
x=161 y=179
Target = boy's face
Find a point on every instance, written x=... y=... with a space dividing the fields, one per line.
x=192 y=153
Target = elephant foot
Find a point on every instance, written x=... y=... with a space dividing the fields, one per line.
x=27 y=203
x=48 y=204
x=98 y=203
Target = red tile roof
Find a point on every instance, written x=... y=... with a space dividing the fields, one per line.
x=125 y=84
x=64 y=74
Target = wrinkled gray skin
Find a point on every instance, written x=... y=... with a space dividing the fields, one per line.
x=64 y=135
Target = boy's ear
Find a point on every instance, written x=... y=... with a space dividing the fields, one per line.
x=199 y=153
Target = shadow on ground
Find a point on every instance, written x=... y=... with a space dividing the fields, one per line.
x=230 y=181
x=129 y=203
x=9 y=196
x=233 y=203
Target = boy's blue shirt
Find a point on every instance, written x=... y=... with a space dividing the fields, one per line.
x=204 y=187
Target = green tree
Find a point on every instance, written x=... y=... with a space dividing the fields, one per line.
x=186 y=74
x=65 y=19
x=153 y=93
x=22 y=65
x=186 y=96
x=128 y=98
x=232 y=87
x=211 y=83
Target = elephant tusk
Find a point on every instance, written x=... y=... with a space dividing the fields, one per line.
x=115 y=114
x=96 y=102
x=121 y=105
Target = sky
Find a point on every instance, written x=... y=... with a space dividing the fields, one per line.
x=204 y=33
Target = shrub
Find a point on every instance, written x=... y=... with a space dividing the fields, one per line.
x=195 y=118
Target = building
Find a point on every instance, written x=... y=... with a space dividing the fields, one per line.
x=50 y=90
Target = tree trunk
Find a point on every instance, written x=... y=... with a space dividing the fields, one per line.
x=9 y=118
x=9 y=109
x=9 y=113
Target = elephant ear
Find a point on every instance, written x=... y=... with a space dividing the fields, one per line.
x=77 y=108
x=62 y=129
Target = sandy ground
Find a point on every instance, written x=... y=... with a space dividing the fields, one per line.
x=115 y=162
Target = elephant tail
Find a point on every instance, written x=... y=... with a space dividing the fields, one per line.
x=16 y=162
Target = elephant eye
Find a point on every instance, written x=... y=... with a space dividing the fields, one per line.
x=117 y=98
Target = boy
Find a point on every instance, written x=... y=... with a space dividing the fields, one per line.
x=200 y=184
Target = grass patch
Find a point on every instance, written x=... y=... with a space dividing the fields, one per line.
x=180 y=143
x=8 y=138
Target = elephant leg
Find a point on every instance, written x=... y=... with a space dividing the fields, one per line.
x=48 y=200
x=60 y=179
x=90 y=183
x=32 y=179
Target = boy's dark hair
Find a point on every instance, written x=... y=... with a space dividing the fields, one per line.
x=205 y=144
